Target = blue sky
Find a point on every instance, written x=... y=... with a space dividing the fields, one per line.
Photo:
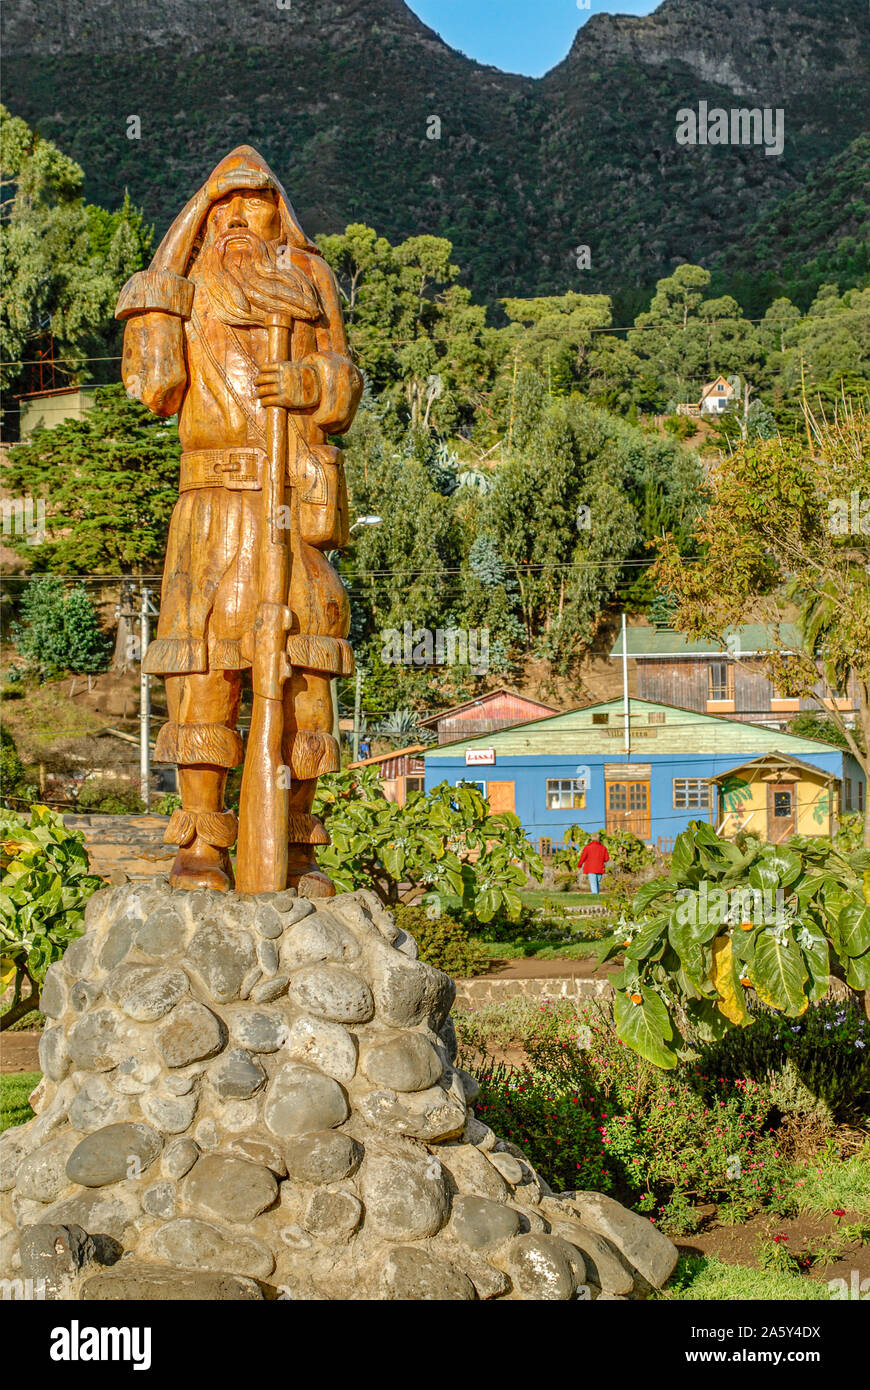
x=529 y=36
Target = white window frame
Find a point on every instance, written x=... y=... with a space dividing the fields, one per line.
x=566 y=787
x=692 y=801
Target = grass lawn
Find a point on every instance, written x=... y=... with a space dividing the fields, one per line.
x=706 y=1279
x=14 y=1090
x=537 y=897
x=540 y=950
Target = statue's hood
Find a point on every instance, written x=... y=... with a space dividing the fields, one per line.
x=246 y=157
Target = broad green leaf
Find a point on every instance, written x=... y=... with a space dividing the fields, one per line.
x=817 y=958
x=779 y=973
x=708 y=1020
x=854 y=929
x=647 y=939
x=785 y=863
x=648 y=892
x=858 y=971
x=639 y=1025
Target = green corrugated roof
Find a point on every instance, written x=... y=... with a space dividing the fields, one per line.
x=684 y=731
x=753 y=637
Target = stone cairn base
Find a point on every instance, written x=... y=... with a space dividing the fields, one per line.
x=255 y=1097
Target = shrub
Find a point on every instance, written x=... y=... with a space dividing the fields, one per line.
x=61 y=629
x=442 y=941
x=591 y=1113
x=166 y=804
x=13 y=778
x=732 y=917
x=107 y=798
x=827 y=1050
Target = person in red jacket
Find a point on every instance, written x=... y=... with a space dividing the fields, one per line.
x=592 y=860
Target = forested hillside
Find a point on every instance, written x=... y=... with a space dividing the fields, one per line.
x=338 y=94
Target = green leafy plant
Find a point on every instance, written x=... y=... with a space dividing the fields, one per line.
x=13 y=777
x=443 y=941
x=45 y=885
x=60 y=629
x=826 y=1050
x=104 y=797
x=471 y=864
x=733 y=917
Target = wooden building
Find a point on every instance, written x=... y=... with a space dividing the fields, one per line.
x=45 y=409
x=496 y=709
x=716 y=397
x=401 y=771
x=669 y=667
x=675 y=766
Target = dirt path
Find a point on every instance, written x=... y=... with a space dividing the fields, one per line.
x=19 y=1051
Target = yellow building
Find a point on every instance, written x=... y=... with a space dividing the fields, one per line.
x=776 y=796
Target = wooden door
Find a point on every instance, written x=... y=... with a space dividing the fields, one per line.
x=781 y=811
x=501 y=796
x=628 y=808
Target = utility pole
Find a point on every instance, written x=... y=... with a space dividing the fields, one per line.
x=357 y=710
x=145 y=611
x=625 y=690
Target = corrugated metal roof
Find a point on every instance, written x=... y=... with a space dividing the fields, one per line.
x=486 y=698
x=386 y=757
x=684 y=731
x=748 y=640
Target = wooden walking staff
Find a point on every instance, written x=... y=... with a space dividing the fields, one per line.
x=264 y=805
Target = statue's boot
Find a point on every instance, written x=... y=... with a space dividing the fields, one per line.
x=203 y=830
x=202 y=865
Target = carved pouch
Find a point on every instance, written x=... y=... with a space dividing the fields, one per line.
x=323 y=507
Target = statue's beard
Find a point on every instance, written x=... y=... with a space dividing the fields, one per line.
x=240 y=275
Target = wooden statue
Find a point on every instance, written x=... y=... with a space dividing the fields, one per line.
x=236 y=325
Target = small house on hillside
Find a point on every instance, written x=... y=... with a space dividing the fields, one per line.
x=653 y=773
x=704 y=676
x=716 y=397
x=496 y=709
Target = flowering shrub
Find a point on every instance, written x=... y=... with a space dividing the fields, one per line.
x=592 y=1114
x=548 y=1117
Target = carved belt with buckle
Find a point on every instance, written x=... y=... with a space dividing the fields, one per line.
x=240 y=470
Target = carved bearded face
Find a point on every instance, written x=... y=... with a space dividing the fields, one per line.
x=239 y=267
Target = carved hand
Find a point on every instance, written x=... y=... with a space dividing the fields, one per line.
x=293 y=385
x=235 y=179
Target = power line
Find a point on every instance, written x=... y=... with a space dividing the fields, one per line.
x=359 y=576
x=610 y=328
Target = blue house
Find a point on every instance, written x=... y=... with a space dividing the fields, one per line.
x=653 y=773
